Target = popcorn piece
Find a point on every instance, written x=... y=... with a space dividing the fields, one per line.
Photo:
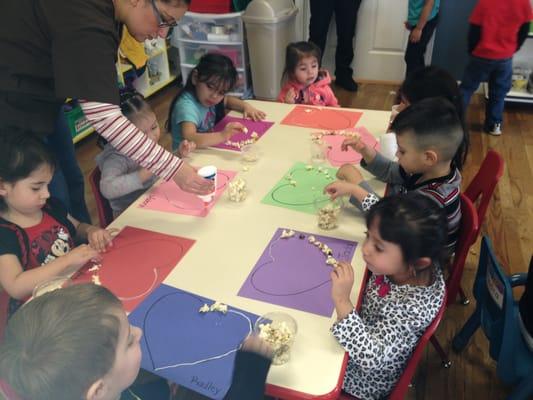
x=285 y=234
x=218 y=306
x=237 y=190
x=308 y=110
x=254 y=135
x=245 y=130
x=96 y=280
x=292 y=182
x=308 y=167
x=332 y=261
x=94 y=268
x=311 y=239
x=205 y=308
x=245 y=168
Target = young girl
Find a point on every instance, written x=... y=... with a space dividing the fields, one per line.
x=305 y=83
x=124 y=180
x=402 y=249
x=37 y=235
x=202 y=103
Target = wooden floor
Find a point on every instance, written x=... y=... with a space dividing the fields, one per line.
x=509 y=223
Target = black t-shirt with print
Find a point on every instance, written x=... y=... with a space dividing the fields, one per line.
x=51 y=50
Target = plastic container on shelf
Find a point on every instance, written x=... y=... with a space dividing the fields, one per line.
x=269 y=29
x=190 y=53
x=216 y=28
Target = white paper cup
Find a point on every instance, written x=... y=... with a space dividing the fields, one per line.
x=388 y=145
x=209 y=172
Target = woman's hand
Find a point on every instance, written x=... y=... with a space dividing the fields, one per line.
x=188 y=180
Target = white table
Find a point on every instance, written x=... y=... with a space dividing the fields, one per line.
x=232 y=237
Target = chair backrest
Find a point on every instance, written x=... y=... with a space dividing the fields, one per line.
x=499 y=317
x=467 y=236
x=482 y=187
x=400 y=390
x=105 y=213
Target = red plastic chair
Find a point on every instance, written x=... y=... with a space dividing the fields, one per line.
x=467 y=236
x=401 y=387
x=480 y=191
x=105 y=213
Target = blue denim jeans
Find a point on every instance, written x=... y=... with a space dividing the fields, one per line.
x=67 y=183
x=498 y=74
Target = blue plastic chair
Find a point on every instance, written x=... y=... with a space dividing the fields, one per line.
x=497 y=313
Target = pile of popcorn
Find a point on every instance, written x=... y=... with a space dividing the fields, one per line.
x=279 y=338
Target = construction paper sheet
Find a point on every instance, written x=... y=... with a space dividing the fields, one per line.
x=168 y=197
x=193 y=349
x=136 y=264
x=330 y=118
x=260 y=127
x=337 y=157
x=309 y=186
x=293 y=273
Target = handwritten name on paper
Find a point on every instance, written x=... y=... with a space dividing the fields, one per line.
x=208 y=386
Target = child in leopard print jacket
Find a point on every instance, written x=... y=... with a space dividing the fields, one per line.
x=403 y=248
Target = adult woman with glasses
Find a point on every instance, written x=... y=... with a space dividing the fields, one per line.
x=55 y=49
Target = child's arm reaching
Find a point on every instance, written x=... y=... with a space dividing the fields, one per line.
x=19 y=284
x=189 y=132
x=248 y=111
x=99 y=239
x=356 y=143
x=351 y=184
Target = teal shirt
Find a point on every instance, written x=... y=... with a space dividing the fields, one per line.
x=188 y=109
x=415 y=9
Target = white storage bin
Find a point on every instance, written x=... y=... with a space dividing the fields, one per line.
x=215 y=28
x=190 y=53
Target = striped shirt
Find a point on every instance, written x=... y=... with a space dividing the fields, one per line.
x=124 y=136
x=444 y=190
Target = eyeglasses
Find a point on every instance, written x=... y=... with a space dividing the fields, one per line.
x=160 y=21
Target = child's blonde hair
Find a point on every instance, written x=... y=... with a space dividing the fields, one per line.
x=59 y=344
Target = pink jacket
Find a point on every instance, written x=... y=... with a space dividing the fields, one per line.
x=318 y=93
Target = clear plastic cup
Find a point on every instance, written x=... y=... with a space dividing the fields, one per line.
x=328 y=212
x=51 y=285
x=318 y=152
x=249 y=153
x=278 y=330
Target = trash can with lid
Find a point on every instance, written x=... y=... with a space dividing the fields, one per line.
x=269 y=29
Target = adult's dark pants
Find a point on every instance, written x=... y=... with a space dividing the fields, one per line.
x=415 y=52
x=67 y=183
x=346 y=20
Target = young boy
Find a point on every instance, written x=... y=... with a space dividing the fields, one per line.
x=422 y=18
x=497 y=31
x=77 y=343
x=430 y=141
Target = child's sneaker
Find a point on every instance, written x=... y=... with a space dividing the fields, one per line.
x=494 y=129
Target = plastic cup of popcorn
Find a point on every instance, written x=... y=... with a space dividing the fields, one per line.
x=328 y=212
x=249 y=153
x=49 y=286
x=237 y=190
x=278 y=330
